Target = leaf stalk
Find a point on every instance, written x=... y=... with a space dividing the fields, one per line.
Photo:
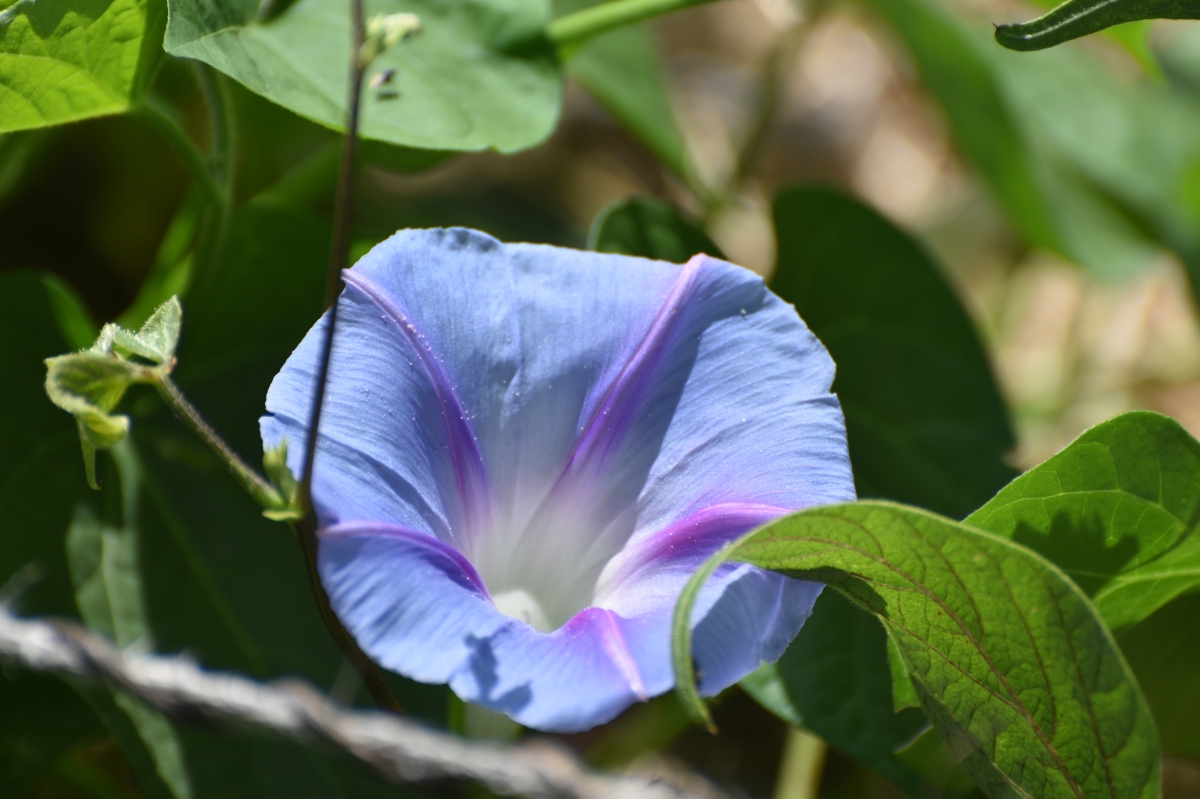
x=254 y=483
x=576 y=28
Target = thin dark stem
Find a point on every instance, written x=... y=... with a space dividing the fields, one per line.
x=339 y=252
x=339 y=256
x=254 y=483
x=371 y=676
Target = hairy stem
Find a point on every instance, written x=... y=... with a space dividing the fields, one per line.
x=339 y=255
x=163 y=122
x=254 y=483
x=582 y=25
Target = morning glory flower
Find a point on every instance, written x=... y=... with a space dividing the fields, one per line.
x=526 y=451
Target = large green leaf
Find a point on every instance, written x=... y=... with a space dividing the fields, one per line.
x=41 y=479
x=480 y=75
x=834 y=679
x=651 y=228
x=924 y=418
x=62 y=60
x=622 y=70
x=1118 y=510
x=1012 y=663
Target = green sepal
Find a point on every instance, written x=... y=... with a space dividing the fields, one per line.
x=275 y=465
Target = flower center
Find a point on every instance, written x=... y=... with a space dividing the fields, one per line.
x=542 y=568
x=522 y=605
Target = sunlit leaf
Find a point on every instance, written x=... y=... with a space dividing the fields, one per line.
x=1118 y=510
x=1013 y=664
x=477 y=77
x=62 y=61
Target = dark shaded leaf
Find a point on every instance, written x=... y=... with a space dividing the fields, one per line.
x=834 y=679
x=924 y=417
x=41 y=480
x=651 y=228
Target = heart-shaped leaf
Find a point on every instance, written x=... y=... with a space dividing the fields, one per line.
x=924 y=416
x=651 y=228
x=1012 y=663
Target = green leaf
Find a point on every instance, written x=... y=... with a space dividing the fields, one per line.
x=1013 y=664
x=925 y=420
x=1118 y=510
x=480 y=75
x=157 y=338
x=651 y=228
x=62 y=61
x=623 y=71
x=40 y=483
x=834 y=679
x=1076 y=18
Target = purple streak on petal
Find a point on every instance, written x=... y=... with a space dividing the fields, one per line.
x=384 y=530
x=613 y=640
x=469 y=472
x=412 y=602
x=620 y=405
x=618 y=411
x=699 y=535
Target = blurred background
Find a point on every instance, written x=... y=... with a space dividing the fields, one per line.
x=766 y=95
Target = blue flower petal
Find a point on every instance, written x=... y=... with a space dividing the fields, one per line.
x=577 y=432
